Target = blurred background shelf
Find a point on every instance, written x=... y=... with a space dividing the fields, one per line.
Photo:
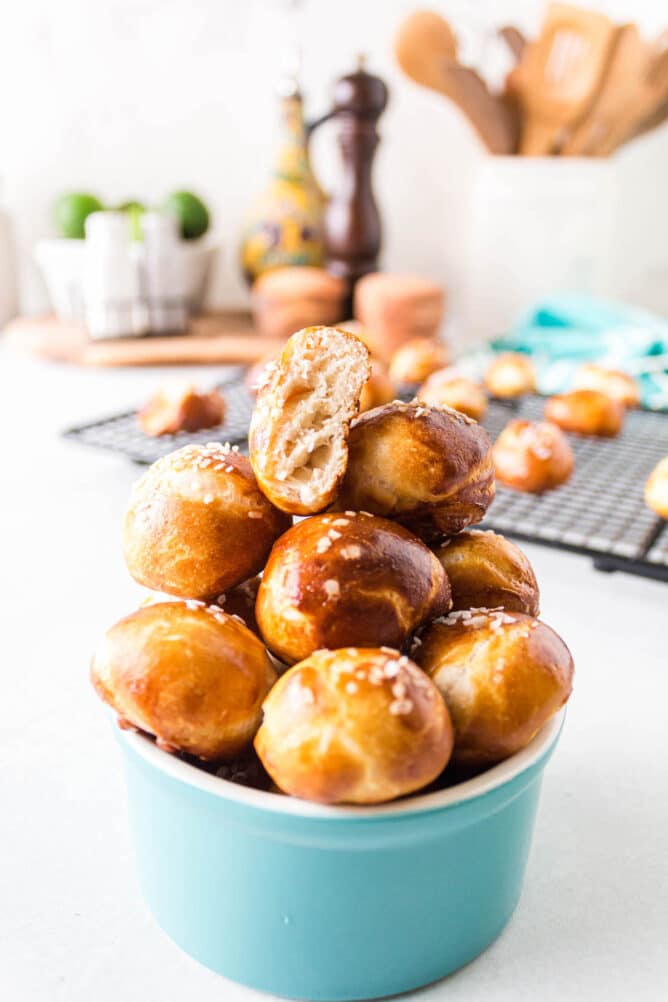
x=219 y=337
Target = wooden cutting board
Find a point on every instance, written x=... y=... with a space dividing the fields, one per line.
x=212 y=339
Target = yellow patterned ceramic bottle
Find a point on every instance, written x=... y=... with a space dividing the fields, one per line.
x=285 y=224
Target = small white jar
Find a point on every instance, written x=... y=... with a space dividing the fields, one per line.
x=111 y=281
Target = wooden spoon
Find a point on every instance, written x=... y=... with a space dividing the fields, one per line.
x=561 y=73
x=424 y=44
x=514 y=39
x=628 y=62
x=426 y=50
x=494 y=119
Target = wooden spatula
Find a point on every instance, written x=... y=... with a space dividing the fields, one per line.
x=653 y=121
x=560 y=74
x=647 y=93
x=628 y=62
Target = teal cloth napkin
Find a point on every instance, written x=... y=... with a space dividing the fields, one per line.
x=564 y=331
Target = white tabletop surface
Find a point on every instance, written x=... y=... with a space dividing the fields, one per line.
x=593 y=919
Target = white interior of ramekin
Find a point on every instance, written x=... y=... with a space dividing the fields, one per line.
x=277 y=803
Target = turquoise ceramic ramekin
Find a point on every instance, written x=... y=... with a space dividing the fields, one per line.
x=314 y=902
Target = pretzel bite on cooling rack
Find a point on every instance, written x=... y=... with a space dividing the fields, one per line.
x=198 y=523
x=356 y=726
x=347 y=580
x=532 y=456
x=486 y=569
x=416 y=359
x=429 y=468
x=502 y=676
x=586 y=412
x=510 y=375
x=447 y=389
x=189 y=674
x=617 y=385
x=656 y=489
x=180 y=406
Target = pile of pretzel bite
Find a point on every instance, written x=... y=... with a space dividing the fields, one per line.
x=367 y=650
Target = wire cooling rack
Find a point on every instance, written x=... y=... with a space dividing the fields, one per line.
x=122 y=433
x=599 y=512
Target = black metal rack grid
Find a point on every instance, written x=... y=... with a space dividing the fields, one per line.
x=600 y=512
x=122 y=433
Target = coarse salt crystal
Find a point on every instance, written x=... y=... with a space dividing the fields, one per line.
x=323 y=545
x=332 y=588
x=400 y=707
x=306 y=695
x=351 y=687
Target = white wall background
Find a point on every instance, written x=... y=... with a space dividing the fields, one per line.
x=132 y=98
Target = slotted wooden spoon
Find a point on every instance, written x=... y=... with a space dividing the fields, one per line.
x=627 y=64
x=560 y=74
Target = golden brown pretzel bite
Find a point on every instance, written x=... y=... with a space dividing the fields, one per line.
x=502 y=675
x=532 y=456
x=429 y=468
x=347 y=580
x=586 y=412
x=187 y=673
x=486 y=569
x=356 y=726
x=198 y=523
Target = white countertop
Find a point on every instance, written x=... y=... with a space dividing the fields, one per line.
x=593 y=920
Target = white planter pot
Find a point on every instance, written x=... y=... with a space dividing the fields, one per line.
x=62 y=263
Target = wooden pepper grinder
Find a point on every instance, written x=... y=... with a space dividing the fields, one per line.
x=352 y=220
